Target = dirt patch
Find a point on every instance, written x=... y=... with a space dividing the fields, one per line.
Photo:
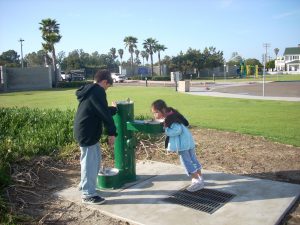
x=32 y=194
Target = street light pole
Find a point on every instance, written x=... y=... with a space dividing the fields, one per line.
x=264 y=75
x=266 y=45
x=225 y=71
x=21 y=41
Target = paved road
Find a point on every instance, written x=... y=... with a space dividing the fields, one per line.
x=272 y=89
x=282 y=91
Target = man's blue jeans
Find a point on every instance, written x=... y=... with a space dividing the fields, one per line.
x=90 y=160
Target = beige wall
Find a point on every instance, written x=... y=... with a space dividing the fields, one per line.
x=27 y=78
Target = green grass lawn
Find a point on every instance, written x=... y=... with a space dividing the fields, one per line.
x=281 y=77
x=275 y=120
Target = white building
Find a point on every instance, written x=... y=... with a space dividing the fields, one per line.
x=280 y=64
x=290 y=61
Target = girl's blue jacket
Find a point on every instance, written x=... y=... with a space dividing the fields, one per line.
x=180 y=138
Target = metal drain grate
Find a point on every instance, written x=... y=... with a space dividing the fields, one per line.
x=205 y=200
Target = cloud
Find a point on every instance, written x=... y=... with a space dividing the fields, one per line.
x=286 y=14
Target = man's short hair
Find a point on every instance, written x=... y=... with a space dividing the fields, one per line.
x=103 y=75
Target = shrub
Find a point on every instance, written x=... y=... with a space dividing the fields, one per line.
x=137 y=77
x=26 y=132
x=72 y=84
x=159 y=78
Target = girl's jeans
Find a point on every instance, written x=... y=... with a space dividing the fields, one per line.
x=90 y=160
x=189 y=161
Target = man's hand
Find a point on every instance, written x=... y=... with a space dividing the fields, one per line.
x=111 y=141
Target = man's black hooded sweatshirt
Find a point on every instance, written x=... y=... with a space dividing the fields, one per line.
x=92 y=113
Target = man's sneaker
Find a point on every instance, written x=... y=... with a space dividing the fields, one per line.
x=95 y=200
x=195 y=186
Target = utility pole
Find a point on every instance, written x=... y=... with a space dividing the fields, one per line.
x=266 y=45
x=225 y=67
x=21 y=41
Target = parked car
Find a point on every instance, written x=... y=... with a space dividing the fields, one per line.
x=118 y=78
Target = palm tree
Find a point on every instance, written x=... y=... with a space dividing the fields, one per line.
x=137 y=52
x=276 y=50
x=121 y=52
x=51 y=36
x=130 y=43
x=159 y=48
x=147 y=57
x=143 y=54
x=113 y=53
x=149 y=45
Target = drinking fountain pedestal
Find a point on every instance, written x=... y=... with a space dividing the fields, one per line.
x=124 y=148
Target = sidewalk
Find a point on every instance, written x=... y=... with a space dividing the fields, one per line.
x=255 y=201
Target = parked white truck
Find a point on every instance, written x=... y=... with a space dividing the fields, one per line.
x=118 y=78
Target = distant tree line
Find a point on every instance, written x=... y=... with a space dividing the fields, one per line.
x=191 y=60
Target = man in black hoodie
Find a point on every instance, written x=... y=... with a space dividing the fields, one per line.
x=93 y=112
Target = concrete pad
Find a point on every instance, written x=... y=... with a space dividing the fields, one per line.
x=257 y=201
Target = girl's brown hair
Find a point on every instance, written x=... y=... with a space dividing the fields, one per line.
x=159 y=105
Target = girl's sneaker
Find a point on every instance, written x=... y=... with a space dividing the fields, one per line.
x=95 y=200
x=196 y=185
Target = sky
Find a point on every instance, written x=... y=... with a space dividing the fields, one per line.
x=241 y=26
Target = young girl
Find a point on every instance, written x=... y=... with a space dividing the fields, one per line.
x=179 y=139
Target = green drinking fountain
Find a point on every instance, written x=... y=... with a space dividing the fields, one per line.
x=124 y=170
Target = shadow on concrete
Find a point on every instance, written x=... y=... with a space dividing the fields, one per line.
x=245 y=188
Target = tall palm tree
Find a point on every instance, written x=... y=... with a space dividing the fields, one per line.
x=51 y=36
x=130 y=43
x=276 y=50
x=143 y=54
x=113 y=51
x=121 y=52
x=147 y=57
x=159 y=48
x=137 y=53
x=149 y=45
x=137 y=59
